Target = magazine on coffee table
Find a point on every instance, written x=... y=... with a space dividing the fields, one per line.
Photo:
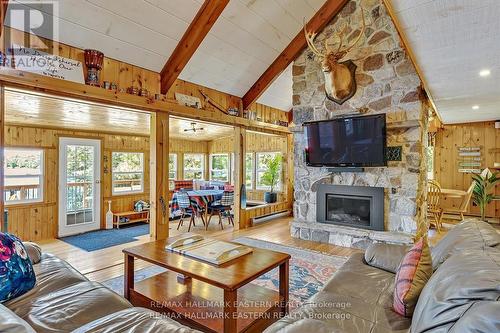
x=208 y=249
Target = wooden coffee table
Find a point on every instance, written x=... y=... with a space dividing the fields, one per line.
x=216 y=298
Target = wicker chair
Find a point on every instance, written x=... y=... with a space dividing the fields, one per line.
x=186 y=208
x=222 y=207
x=434 y=210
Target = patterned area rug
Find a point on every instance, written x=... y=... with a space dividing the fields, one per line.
x=309 y=271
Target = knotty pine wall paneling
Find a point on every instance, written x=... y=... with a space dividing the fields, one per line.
x=446 y=159
x=127 y=75
x=268 y=114
x=39 y=221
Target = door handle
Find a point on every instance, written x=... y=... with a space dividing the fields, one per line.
x=98 y=181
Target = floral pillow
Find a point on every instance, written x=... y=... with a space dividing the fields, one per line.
x=16 y=271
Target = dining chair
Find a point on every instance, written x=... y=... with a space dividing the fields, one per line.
x=187 y=208
x=433 y=207
x=222 y=207
x=463 y=205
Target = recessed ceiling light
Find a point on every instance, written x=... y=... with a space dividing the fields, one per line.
x=475 y=107
x=485 y=72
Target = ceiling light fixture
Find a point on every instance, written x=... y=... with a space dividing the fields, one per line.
x=193 y=128
x=475 y=107
x=485 y=72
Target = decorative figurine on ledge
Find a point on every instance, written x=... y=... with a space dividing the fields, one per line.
x=93 y=60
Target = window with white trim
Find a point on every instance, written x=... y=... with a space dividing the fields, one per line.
x=23 y=175
x=262 y=159
x=249 y=164
x=194 y=166
x=172 y=170
x=127 y=171
x=219 y=167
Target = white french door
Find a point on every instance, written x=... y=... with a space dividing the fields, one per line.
x=79 y=185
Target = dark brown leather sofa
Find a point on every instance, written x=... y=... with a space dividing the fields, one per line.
x=63 y=301
x=462 y=296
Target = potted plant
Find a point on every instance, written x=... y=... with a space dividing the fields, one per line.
x=271 y=178
x=481 y=194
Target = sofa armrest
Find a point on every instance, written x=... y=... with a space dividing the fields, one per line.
x=11 y=323
x=34 y=252
x=385 y=256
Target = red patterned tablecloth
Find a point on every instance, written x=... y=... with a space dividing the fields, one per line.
x=199 y=199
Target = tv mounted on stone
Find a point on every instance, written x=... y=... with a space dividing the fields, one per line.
x=350 y=142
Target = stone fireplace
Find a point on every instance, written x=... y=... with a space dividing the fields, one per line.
x=387 y=82
x=352 y=206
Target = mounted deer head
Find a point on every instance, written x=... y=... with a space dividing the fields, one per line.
x=340 y=82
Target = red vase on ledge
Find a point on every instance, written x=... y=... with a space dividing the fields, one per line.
x=93 y=60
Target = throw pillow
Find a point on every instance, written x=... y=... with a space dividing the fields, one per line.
x=413 y=273
x=34 y=252
x=16 y=271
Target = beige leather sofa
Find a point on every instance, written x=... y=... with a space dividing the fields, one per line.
x=462 y=296
x=64 y=301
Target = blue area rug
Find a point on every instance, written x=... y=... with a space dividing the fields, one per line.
x=309 y=271
x=101 y=239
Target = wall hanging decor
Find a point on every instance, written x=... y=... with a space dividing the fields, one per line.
x=340 y=80
x=187 y=100
x=38 y=62
x=212 y=103
x=470 y=159
x=93 y=60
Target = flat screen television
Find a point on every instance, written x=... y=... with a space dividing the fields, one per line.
x=347 y=142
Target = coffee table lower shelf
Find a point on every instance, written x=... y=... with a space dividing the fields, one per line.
x=200 y=305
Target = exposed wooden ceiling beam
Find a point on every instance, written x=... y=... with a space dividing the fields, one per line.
x=194 y=35
x=3 y=12
x=325 y=14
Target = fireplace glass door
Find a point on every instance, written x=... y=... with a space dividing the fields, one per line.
x=348 y=210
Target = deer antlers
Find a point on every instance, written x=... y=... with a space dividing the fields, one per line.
x=339 y=53
x=310 y=36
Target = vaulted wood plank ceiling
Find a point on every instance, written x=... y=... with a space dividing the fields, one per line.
x=244 y=41
x=453 y=41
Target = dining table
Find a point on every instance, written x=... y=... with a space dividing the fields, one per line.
x=199 y=199
x=452 y=193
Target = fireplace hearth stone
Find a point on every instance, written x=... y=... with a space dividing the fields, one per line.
x=346 y=236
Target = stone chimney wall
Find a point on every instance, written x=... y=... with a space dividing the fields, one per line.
x=387 y=82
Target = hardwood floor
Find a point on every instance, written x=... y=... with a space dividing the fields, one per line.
x=107 y=263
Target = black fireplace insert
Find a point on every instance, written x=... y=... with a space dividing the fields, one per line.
x=353 y=206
